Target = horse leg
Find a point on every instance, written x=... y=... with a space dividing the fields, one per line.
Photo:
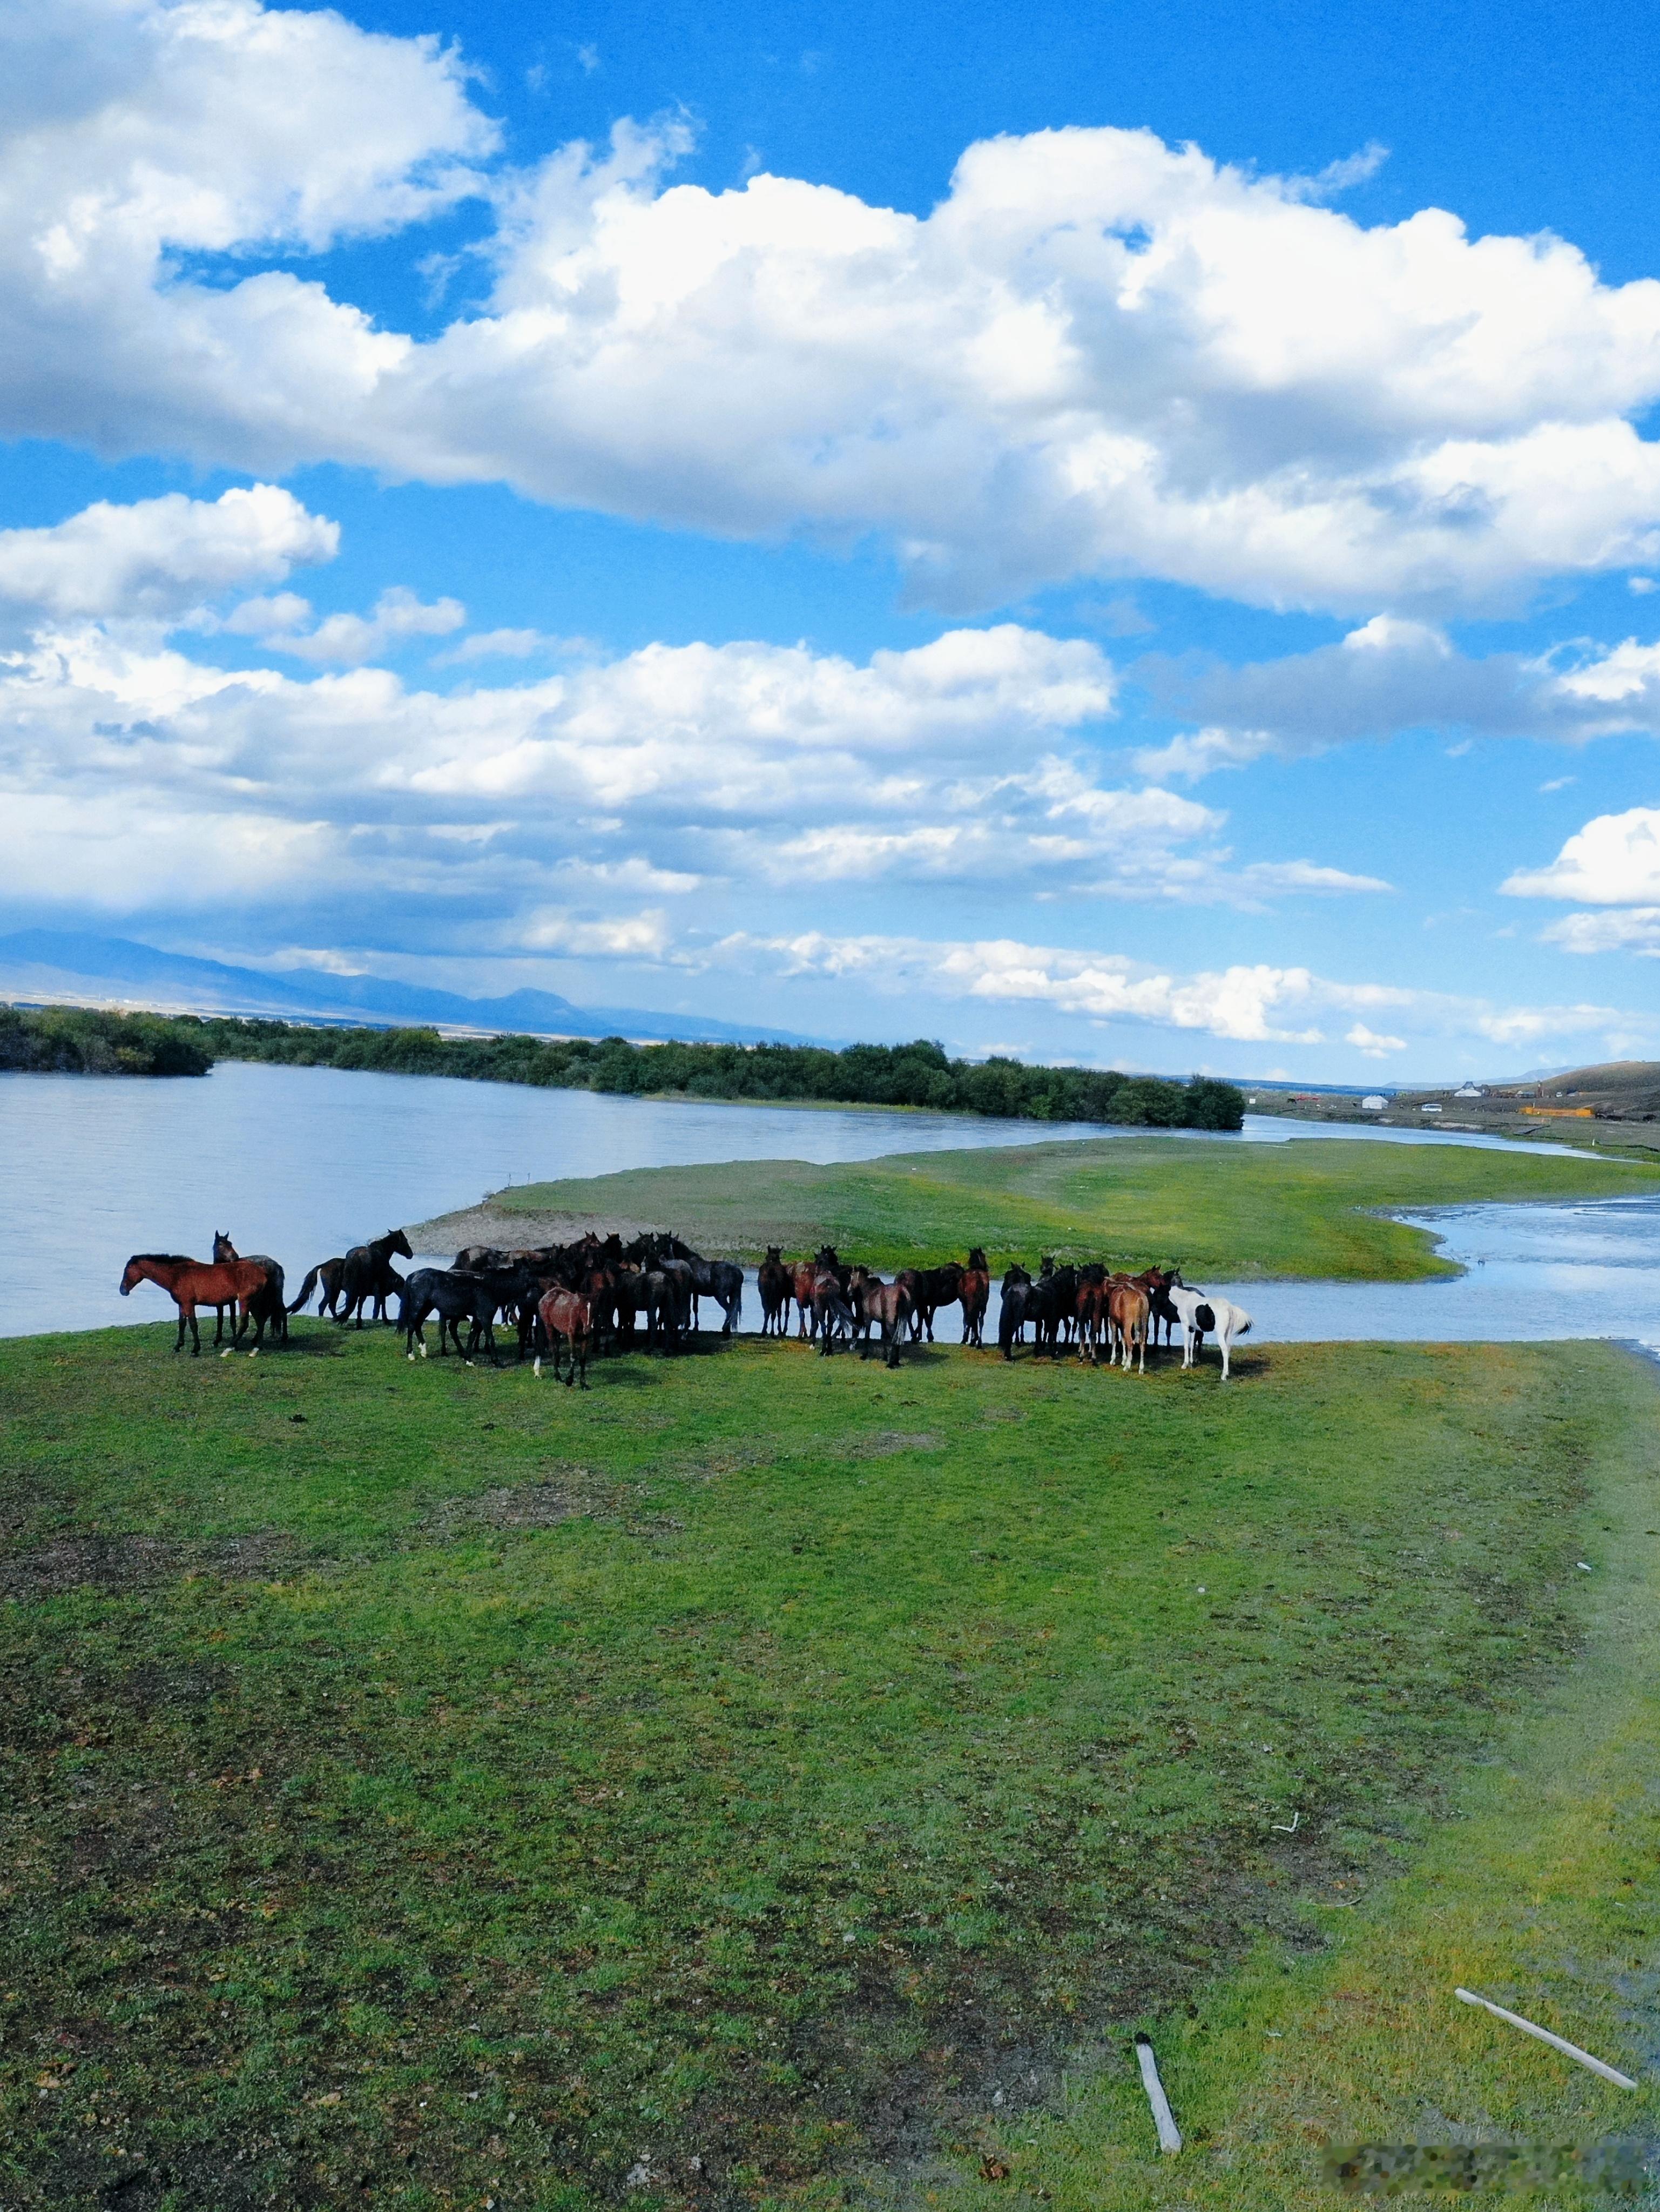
x=195 y=1334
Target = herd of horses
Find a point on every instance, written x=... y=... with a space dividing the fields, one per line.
x=597 y=1293
x=1086 y=1310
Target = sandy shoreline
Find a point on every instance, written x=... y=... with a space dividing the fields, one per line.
x=516 y=1232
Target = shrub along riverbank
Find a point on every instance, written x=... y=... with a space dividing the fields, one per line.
x=422 y=1786
x=916 y=1075
x=77 y=1040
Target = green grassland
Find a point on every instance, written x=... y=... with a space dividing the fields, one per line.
x=765 y=1778
x=1310 y=1207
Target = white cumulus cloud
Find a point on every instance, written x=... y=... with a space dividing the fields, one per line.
x=1098 y=353
x=159 y=558
x=346 y=641
x=1246 y=1002
x=1614 y=861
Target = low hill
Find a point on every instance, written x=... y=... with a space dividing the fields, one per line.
x=1615 y=1089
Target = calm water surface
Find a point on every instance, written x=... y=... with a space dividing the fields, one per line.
x=301 y=1162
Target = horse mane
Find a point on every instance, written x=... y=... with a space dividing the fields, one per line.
x=167 y=1259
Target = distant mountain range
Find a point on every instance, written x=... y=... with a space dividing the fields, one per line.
x=50 y=967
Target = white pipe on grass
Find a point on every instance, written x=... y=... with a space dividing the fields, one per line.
x=1556 y=2042
x=1170 y=2135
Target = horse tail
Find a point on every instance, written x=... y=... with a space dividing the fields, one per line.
x=305 y=1289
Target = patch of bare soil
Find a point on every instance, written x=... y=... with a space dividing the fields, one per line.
x=131 y=1562
x=558 y=1494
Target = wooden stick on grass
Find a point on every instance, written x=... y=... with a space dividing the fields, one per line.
x=1170 y=2135
x=1556 y=2042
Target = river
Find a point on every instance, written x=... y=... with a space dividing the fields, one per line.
x=300 y=1161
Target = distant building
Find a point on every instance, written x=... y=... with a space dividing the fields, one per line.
x=1471 y=1090
x=1374 y=1103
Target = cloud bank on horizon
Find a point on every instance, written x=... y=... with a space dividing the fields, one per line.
x=1354 y=474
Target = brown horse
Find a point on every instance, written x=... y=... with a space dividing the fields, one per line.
x=803 y=1276
x=566 y=1317
x=1128 y=1309
x=193 y=1283
x=974 y=1291
x=805 y=1282
x=886 y=1304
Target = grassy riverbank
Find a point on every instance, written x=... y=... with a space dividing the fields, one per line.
x=423 y=1786
x=1227 y=1211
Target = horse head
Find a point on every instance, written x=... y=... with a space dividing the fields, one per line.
x=399 y=1243
x=132 y=1273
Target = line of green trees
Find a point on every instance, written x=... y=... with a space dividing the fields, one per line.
x=919 y=1074
x=77 y=1040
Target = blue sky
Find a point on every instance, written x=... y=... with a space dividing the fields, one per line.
x=1132 y=540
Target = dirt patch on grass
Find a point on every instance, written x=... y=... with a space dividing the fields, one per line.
x=543 y=1500
x=133 y=1562
x=887 y=1443
x=524 y=1505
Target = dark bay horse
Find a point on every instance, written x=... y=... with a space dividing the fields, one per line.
x=931 y=1288
x=193 y=1283
x=974 y=1291
x=269 y=1306
x=1159 y=1283
x=325 y=1277
x=775 y=1284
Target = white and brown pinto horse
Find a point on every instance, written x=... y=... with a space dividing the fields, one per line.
x=1201 y=1317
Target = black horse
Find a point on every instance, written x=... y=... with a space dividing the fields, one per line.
x=455 y=1298
x=723 y=1281
x=365 y=1275
x=1017 y=1287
